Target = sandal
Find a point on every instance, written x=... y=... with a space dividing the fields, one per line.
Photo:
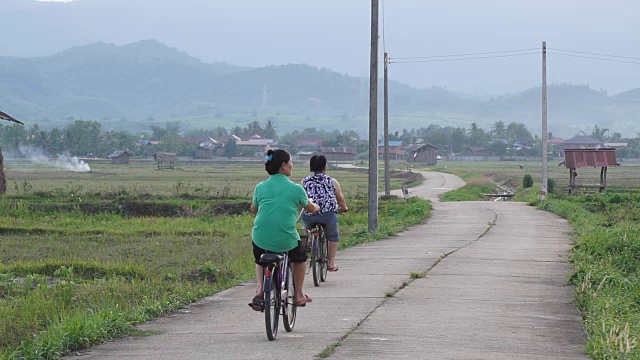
x=333 y=268
x=307 y=299
x=257 y=303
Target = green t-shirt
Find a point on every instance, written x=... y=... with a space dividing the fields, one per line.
x=278 y=200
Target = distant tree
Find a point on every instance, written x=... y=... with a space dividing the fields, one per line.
x=598 y=133
x=82 y=137
x=254 y=128
x=497 y=148
x=220 y=132
x=269 y=130
x=498 y=130
x=518 y=132
x=231 y=148
x=615 y=137
x=158 y=132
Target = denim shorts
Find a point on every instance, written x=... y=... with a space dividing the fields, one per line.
x=328 y=219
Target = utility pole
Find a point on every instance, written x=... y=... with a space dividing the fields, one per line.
x=387 y=181
x=545 y=133
x=373 y=121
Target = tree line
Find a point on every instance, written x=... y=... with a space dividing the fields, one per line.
x=87 y=138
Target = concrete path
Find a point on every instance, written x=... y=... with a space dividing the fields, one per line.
x=495 y=288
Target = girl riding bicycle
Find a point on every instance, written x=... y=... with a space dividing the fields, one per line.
x=276 y=202
x=325 y=191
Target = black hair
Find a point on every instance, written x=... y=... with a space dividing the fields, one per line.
x=275 y=159
x=317 y=163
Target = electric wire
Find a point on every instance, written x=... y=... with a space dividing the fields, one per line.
x=595 y=58
x=460 y=59
x=596 y=54
x=468 y=54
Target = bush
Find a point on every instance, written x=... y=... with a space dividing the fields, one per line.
x=527 y=181
x=551 y=186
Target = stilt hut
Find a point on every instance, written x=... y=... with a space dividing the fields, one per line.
x=582 y=158
x=165 y=160
x=3 y=181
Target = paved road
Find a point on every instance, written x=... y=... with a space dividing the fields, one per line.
x=495 y=288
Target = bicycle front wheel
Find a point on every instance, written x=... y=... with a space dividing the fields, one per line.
x=288 y=296
x=271 y=303
x=315 y=260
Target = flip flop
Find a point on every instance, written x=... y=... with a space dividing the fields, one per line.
x=257 y=303
x=333 y=268
x=307 y=299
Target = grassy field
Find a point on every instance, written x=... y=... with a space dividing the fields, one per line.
x=606 y=255
x=86 y=256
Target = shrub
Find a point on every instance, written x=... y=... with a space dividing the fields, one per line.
x=527 y=181
x=551 y=186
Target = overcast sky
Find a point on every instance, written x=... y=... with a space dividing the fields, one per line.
x=336 y=34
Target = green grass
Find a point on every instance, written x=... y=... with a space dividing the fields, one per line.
x=474 y=190
x=606 y=257
x=77 y=270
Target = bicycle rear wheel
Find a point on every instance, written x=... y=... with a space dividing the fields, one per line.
x=288 y=296
x=271 y=302
x=315 y=260
x=323 y=256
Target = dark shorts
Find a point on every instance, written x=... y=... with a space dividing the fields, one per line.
x=297 y=254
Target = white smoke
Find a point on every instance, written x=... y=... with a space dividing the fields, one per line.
x=62 y=161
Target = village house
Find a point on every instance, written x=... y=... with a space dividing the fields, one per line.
x=255 y=145
x=475 y=151
x=396 y=150
x=422 y=153
x=339 y=153
x=120 y=157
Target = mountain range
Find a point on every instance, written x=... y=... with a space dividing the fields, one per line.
x=130 y=86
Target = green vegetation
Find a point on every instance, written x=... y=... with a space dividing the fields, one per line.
x=473 y=190
x=121 y=245
x=606 y=257
x=527 y=181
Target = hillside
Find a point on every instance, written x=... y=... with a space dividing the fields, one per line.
x=148 y=80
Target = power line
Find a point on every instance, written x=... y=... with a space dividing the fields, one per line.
x=595 y=58
x=469 y=54
x=459 y=59
x=596 y=54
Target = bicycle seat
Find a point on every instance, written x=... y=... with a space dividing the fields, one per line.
x=267 y=259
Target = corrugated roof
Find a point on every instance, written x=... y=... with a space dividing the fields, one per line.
x=335 y=150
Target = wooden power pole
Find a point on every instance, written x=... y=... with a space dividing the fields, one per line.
x=545 y=133
x=387 y=181
x=373 y=121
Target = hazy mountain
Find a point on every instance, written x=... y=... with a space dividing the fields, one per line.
x=148 y=79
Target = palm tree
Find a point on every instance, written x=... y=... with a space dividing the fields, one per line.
x=498 y=129
x=473 y=129
x=599 y=133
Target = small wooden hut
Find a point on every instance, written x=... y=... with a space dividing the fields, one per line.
x=120 y=157
x=422 y=153
x=165 y=160
x=582 y=158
